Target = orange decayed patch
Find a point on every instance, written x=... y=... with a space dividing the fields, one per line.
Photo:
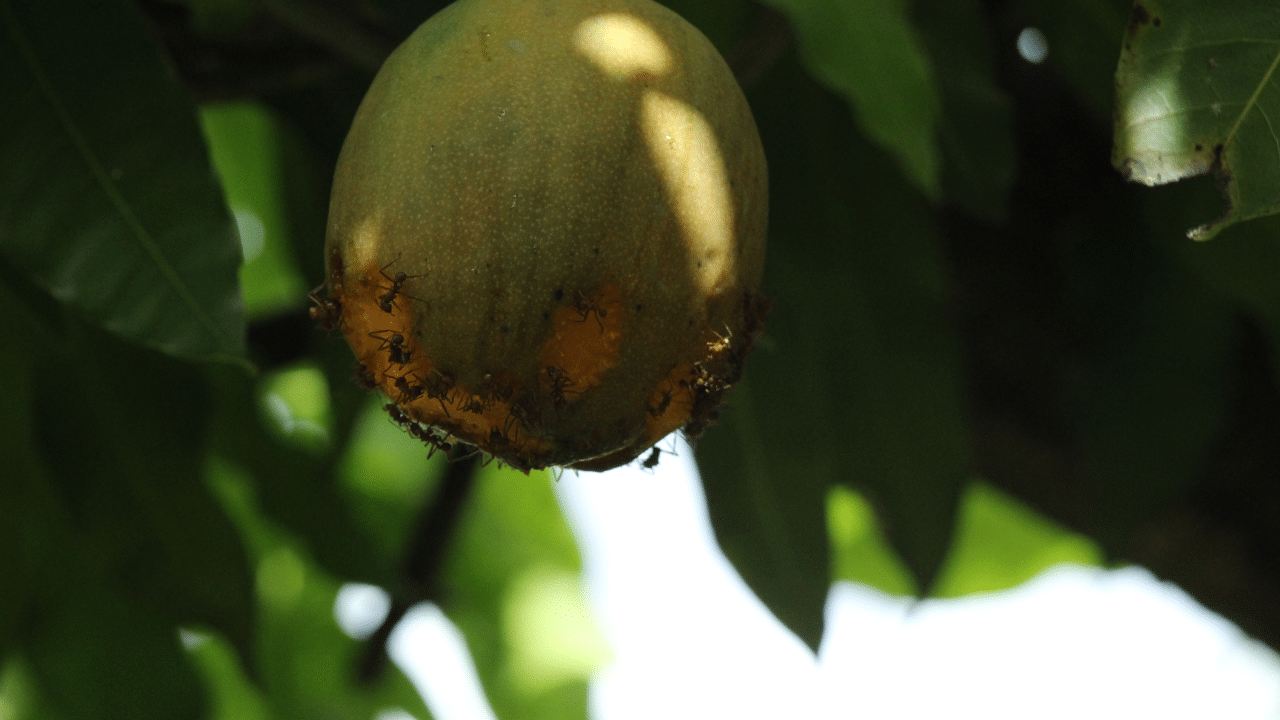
x=584 y=343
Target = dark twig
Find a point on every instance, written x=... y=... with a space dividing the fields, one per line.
x=428 y=550
x=332 y=30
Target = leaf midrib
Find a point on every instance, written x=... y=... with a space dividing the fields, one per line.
x=1253 y=100
x=78 y=140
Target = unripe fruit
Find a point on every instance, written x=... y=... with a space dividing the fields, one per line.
x=547 y=230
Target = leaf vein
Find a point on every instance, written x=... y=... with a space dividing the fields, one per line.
x=116 y=198
x=1253 y=100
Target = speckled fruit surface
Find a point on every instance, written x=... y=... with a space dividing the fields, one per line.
x=547 y=230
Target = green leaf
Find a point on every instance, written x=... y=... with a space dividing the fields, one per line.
x=1149 y=399
x=232 y=695
x=1001 y=543
x=304 y=666
x=857 y=379
x=1196 y=93
x=859 y=551
x=301 y=491
x=245 y=144
x=127 y=467
x=96 y=656
x=106 y=195
x=310 y=667
x=768 y=507
x=85 y=571
x=870 y=53
x=23 y=534
x=975 y=128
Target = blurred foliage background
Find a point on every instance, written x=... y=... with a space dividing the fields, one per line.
x=988 y=353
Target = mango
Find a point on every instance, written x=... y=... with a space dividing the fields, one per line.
x=547 y=231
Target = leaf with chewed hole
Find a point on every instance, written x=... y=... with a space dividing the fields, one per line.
x=1197 y=93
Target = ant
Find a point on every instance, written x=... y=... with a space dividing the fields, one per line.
x=491 y=390
x=396 y=351
x=438 y=388
x=652 y=461
x=364 y=378
x=397 y=416
x=560 y=381
x=474 y=404
x=498 y=440
x=429 y=438
x=658 y=410
x=388 y=300
x=585 y=307
x=327 y=313
x=722 y=341
x=408 y=391
x=518 y=416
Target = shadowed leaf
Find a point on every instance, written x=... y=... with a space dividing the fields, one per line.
x=870 y=53
x=857 y=379
x=106 y=195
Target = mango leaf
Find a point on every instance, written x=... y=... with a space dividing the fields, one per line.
x=870 y=53
x=96 y=655
x=859 y=551
x=1150 y=399
x=975 y=128
x=67 y=610
x=1196 y=93
x=768 y=509
x=1001 y=543
x=107 y=199
x=857 y=378
x=141 y=509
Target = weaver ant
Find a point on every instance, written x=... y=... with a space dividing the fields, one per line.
x=499 y=440
x=327 y=312
x=518 y=415
x=429 y=438
x=388 y=300
x=490 y=390
x=652 y=461
x=397 y=416
x=658 y=410
x=560 y=381
x=396 y=351
x=408 y=391
x=722 y=341
x=473 y=404
x=585 y=307
x=438 y=388
x=364 y=378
